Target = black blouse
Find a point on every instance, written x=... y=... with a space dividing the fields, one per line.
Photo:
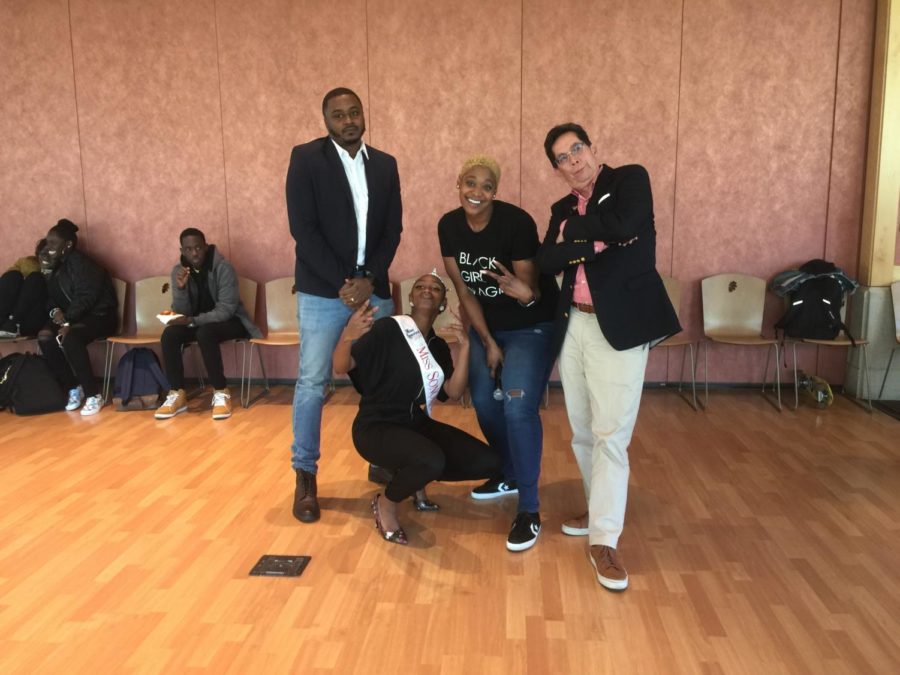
x=388 y=377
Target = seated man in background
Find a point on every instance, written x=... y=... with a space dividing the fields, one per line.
x=205 y=292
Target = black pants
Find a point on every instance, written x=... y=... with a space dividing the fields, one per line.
x=208 y=336
x=71 y=364
x=424 y=451
x=24 y=299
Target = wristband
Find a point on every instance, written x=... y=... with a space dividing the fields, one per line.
x=54 y=311
x=530 y=303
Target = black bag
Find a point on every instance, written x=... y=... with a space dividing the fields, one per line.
x=27 y=387
x=139 y=381
x=814 y=303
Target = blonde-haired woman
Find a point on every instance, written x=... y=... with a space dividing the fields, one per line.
x=488 y=248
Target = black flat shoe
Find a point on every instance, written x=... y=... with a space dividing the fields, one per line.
x=398 y=536
x=425 y=504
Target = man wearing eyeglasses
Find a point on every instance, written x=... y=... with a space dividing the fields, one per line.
x=612 y=308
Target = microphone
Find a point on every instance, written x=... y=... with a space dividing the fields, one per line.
x=498 y=384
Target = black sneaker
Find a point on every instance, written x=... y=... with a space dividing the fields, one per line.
x=9 y=329
x=494 y=488
x=524 y=531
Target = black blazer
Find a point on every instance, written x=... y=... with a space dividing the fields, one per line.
x=323 y=220
x=628 y=294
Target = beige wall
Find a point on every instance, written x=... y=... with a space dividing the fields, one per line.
x=136 y=118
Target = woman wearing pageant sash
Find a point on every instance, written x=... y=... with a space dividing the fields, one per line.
x=399 y=366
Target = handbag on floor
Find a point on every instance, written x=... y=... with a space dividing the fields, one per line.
x=28 y=387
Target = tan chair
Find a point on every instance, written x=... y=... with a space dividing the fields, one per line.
x=282 y=330
x=121 y=288
x=152 y=296
x=842 y=340
x=673 y=288
x=895 y=296
x=733 y=307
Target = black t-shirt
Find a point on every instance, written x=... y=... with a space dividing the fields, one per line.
x=510 y=235
x=388 y=377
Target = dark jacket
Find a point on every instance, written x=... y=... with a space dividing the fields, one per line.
x=80 y=287
x=323 y=221
x=224 y=287
x=628 y=294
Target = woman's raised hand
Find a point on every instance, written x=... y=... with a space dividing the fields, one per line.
x=360 y=321
x=457 y=330
x=510 y=284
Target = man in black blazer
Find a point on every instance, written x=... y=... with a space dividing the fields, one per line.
x=345 y=213
x=612 y=308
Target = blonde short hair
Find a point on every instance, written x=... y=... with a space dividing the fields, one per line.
x=488 y=163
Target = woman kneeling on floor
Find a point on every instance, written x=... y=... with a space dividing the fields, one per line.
x=399 y=366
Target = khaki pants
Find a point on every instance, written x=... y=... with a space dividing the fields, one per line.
x=602 y=389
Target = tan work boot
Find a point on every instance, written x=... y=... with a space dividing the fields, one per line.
x=176 y=402
x=221 y=404
x=610 y=571
x=577 y=526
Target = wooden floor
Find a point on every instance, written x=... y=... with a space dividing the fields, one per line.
x=757 y=542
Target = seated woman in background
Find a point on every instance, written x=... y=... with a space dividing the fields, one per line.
x=399 y=366
x=23 y=297
x=83 y=308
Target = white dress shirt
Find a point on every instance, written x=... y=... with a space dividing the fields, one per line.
x=355 y=168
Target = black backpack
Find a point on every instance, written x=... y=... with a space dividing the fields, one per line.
x=139 y=381
x=27 y=387
x=815 y=299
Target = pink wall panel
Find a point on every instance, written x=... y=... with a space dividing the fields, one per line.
x=277 y=61
x=613 y=68
x=139 y=118
x=848 y=154
x=755 y=127
x=40 y=165
x=151 y=130
x=445 y=84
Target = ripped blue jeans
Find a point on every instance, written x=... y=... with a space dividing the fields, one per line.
x=512 y=425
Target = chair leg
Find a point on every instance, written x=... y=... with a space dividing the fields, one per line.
x=107 y=369
x=796 y=379
x=777 y=377
x=246 y=401
x=546 y=402
x=886 y=371
x=706 y=346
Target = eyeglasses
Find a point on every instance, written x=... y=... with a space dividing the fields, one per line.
x=564 y=157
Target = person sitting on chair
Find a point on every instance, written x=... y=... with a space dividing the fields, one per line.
x=83 y=308
x=206 y=295
x=23 y=296
x=400 y=366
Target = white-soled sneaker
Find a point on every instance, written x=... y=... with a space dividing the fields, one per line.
x=92 y=405
x=495 y=488
x=76 y=398
x=524 y=531
x=221 y=404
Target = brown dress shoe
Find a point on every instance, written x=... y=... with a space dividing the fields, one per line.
x=306 y=506
x=610 y=571
x=577 y=526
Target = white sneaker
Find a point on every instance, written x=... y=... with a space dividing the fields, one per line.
x=92 y=405
x=76 y=397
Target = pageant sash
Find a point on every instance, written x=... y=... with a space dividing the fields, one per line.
x=432 y=373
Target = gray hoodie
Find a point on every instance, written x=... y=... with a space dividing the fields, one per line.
x=225 y=292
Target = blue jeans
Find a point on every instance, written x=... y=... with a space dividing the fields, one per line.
x=321 y=322
x=512 y=426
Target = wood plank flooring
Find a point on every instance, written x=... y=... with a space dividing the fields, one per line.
x=757 y=542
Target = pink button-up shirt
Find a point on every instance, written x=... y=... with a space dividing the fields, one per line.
x=582 y=294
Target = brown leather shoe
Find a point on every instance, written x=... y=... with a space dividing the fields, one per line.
x=610 y=571
x=306 y=506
